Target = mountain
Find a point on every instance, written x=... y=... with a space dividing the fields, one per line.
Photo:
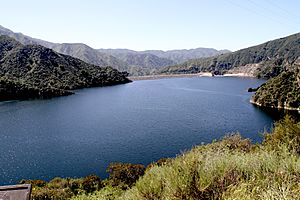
x=89 y=55
x=77 y=50
x=24 y=39
x=282 y=91
x=154 y=59
x=265 y=60
x=182 y=55
x=134 y=62
x=34 y=71
x=139 y=58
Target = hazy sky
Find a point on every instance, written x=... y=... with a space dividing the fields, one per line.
x=154 y=24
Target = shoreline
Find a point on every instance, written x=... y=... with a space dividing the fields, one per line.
x=201 y=74
x=161 y=76
x=273 y=107
x=239 y=75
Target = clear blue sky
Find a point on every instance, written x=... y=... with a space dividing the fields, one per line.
x=154 y=24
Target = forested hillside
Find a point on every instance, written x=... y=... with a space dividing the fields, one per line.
x=33 y=71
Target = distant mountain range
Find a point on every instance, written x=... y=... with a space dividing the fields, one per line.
x=34 y=71
x=134 y=62
x=264 y=61
x=174 y=56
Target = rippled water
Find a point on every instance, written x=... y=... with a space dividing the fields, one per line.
x=138 y=122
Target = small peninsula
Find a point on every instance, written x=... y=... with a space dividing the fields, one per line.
x=281 y=92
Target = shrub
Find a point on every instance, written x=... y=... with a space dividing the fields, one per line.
x=287 y=133
x=160 y=162
x=125 y=173
x=58 y=183
x=235 y=141
x=91 y=183
x=74 y=185
x=106 y=193
x=51 y=194
x=34 y=183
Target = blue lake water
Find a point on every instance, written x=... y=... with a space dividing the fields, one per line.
x=138 y=122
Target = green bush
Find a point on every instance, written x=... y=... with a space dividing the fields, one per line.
x=58 y=183
x=91 y=183
x=74 y=185
x=125 y=173
x=286 y=132
x=51 y=194
x=106 y=193
x=160 y=162
x=63 y=188
x=34 y=183
x=234 y=141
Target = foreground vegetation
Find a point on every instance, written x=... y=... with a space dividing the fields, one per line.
x=232 y=168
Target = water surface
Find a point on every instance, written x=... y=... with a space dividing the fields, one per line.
x=138 y=122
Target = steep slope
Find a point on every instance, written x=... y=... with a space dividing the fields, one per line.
x=89 y=55
x=147 y=60
x=44 y=73
x=138 y=64
x=282 y=91
x=141 y=63
x=77 y=50
x=144 y=60
x=265 y=60
x=182 y=55
x=24 y=39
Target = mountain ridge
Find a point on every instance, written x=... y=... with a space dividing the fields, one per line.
x=266 y=60
x=100 y=59
x=34 y=71
x=176 y=55
x=130 y=61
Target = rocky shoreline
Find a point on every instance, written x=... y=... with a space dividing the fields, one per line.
x=273 y=107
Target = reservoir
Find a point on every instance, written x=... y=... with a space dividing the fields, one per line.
x=139 y=122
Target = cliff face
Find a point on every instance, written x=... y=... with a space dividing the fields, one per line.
x=33 y=71
x=282 y=91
